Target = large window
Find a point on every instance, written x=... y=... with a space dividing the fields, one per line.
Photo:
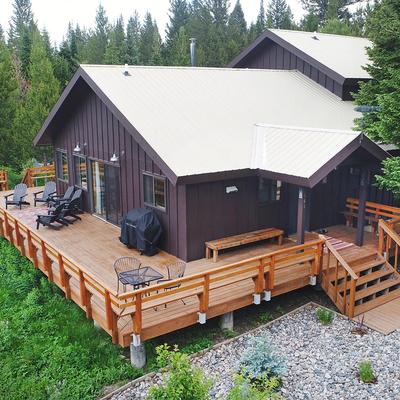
x=269 y=190
x=154 y=191
x=62 y=165
x=80 y=168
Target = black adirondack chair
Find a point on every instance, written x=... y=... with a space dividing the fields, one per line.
x=72 y=208
x=18 y=196
x=62 y=198
x=46 y=194
x=54 y=215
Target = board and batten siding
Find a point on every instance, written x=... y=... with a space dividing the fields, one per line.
x=90 y=122
x=270 y=55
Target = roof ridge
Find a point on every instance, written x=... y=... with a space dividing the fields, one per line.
x=314 y=130
x=318 y=33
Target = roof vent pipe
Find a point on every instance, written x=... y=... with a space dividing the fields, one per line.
x=315 y=37
x=126 y=70
x=193 y=51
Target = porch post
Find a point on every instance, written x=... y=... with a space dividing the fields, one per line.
x=301 y=215
x=364 y=180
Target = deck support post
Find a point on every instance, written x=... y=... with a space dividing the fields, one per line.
x=267 y=295
x=138 y=352
x=202 y=318
x=226 y=321
x=257 y=298
x=364 y=178
x=301 y=215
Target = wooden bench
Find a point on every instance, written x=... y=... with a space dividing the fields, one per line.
x=373 y=212
x=238 y=240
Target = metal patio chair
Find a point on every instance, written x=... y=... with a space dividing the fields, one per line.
x=48 y=191
x=175 y=271
x=72 y=208
x=18 y=196
x=53 y=215
x=125 y=267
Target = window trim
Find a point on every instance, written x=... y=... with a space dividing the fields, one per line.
x=62 y=151
x=87 y=171
x=161 y=177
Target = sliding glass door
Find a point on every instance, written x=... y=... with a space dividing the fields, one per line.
x=105 y=191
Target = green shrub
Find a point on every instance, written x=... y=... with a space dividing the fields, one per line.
x=14 y=176
x=197 y=345
x=245 y=389
x=261 y=359
x=48 y=349
x=366 y=372
x=182 y=381
x=324 y=316
x=266 y=317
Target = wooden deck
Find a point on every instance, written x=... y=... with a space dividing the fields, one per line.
x=79 y=259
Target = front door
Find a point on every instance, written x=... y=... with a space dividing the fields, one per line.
x=105 y=191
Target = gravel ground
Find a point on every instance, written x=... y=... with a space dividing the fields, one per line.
x=321 y=361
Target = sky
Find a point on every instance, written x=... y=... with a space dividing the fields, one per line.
x=54 y=15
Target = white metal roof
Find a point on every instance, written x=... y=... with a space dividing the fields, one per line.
x=305 y=150
x=201 y=120
x=345 y=55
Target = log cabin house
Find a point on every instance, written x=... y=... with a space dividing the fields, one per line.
x=217 y=152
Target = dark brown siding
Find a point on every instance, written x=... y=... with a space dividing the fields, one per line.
x=90 y=121
x=270 y=55
x=213 y=214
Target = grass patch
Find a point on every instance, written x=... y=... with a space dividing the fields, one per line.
x=48 y=349
x=366 y=372
x=324 y=316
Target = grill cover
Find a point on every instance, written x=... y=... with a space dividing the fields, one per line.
x=141 y=229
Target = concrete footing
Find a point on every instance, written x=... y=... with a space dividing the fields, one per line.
x=138 y=355
x=226 y=321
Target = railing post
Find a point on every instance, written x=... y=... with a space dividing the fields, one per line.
x=380 y=238
x=61 y=268
x=260 y=278
x=336 y=279
x=1 y=227
x=271 y=274
x=107 y=303
x=137 y=317
x=204 y=298
x=82 y=288
x=352 y=298
x=114 y=327
x=345 y=293
x=47 y=262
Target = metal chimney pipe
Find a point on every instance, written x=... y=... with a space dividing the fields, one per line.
x=193 y=51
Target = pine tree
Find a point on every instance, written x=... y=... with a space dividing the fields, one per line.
x=327 y=9
x=2 y=34
x=381 y=94
x=237 y=31
x=42 y=94
x=178 y=18
x=133 y=40
x=21 y=19
x=9 y=93
x=150 y=42
x=116 y=48
x=179 y=52
x=310 y=22
x=98 y=40
x=261 y=23
x=279 y=15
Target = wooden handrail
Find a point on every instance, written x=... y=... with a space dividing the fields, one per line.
x=33 y=174
x=341 y=260
x=384 y=225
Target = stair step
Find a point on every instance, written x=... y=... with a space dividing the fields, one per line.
x=367 y=278
x=378 y=301
x=360 y=294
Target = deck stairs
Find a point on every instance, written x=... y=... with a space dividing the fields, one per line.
x=376 y=283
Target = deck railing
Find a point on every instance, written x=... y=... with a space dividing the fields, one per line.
x=339 y=281
x=38 y=176
x=113 y=311
x=389 y=240
x=3 y=180
x=260 y=269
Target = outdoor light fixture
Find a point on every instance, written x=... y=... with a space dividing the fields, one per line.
x=77 y=148
x=231 y=189
x=114 y=158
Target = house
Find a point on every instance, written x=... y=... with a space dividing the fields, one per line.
x=334 y=61
x=176 y=139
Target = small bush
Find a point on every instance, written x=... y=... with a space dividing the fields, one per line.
x=266 y=317
x=229 y=334
x=245 y=389
x=324 y=316
x=261 y=359
x=366 y=372
x=182 y=381
x=197 y=345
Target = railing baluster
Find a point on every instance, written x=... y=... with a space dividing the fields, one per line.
x=345 y=293
x=260 y=277
x=336 y=279
x=137 y=316
x=82 y=288
x=46 y=262
x=271 y=274
x=352 y=298
x=2 y=227
x=107 y=302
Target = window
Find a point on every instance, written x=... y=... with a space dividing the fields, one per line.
x=269 y=190
x=154 y=191
x=80 y=168
x=62 y=165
